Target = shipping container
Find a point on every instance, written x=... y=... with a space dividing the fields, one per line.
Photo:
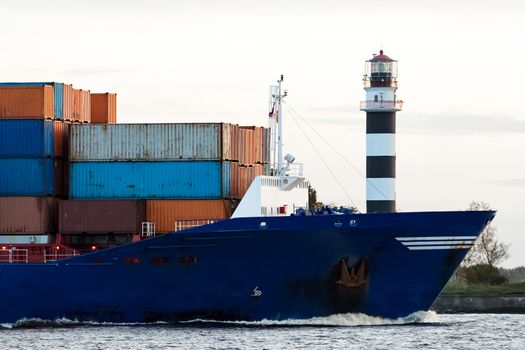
x=146 y=142
x=58 y=95
x=77 y=108
x=164 y=213
x=61 y=138
x=226 y=143
x=100 y=241
x=104 y=108
x=149 y=180
x=234 y=140
x=26 y=138
x=85 y=106
x=33 y=138
x=24 y=239
x=68 y=105
x=24 y=215
x=33 y=177
x=27 y=176
x=26 y=102
x=101 y=216
x=61 y=177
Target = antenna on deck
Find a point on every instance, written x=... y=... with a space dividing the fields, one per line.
x=275 y=122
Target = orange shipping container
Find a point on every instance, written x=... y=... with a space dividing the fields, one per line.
x=164 y=213
x=85 y=106
x=26 y=102
x=76 y=105
x=104 y=108
x=68 y=102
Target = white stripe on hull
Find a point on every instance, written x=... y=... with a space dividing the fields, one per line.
x=436 y=238
x=380 y=145
x=380 y=189
x=441 y=247
x=437 y=242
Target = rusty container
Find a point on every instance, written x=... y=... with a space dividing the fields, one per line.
x=100 y=216
x=68 y=102
x=146 y=142
x=27 y=215
x=85 y=106
x=26 y=102
x=233 y=142
x=226 y=149
x=258 y=144
x=234 y=180
x=104 y=108
x=164 y=213
x=77 y=109
x=61 y=138
x=61 y=177
x=266 y=145
x=242 y=145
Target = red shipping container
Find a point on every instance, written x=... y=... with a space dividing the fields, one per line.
x=101 y=216
x=27 y=215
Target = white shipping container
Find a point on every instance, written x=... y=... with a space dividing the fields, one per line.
x=149 y=142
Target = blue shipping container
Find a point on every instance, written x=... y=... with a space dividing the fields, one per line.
x=26 y=176
x=149 y=180
x=26 y=138
x=58 y=93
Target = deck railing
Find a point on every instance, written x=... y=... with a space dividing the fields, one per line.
x=186 y=224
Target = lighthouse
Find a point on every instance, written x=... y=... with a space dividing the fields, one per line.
x=381 y=105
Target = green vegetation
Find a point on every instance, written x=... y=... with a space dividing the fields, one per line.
x=484 y=289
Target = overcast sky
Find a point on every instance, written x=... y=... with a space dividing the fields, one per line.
x=460 y=137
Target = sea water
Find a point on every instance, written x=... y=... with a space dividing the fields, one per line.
x=422 y=330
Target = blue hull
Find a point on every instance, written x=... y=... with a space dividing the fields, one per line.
x=293 y=267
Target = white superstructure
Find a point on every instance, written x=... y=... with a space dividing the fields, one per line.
x=286 y=190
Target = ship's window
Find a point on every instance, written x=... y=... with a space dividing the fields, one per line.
x=263 y=225
x=338 y=223
x=375 y=98
x=131 y=260
x=158 y=260
x=188 y=260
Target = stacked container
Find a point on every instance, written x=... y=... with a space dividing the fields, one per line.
x=67 y=167
x=32 y=164
x=183 y=171
x=35 y=119
x=251 y=152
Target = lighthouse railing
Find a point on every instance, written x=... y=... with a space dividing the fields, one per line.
x=386 y=105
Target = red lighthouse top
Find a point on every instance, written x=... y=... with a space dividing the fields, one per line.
x=381 y=58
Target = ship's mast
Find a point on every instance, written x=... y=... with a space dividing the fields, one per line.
x=275 y=122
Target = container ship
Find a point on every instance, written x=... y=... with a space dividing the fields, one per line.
x=109 y=222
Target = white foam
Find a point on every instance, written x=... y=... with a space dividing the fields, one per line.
x=337 y=320
x=340 y=320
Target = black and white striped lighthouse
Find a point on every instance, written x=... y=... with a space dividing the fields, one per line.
x=381 y=105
